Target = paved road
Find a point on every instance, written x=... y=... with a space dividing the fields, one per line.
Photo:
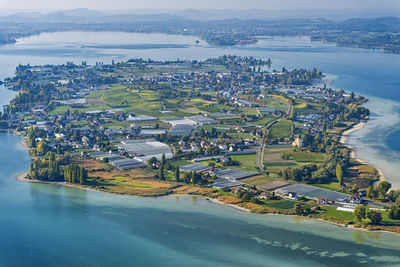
x=260 y=150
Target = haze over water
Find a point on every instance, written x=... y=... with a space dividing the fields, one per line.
x=47 y=225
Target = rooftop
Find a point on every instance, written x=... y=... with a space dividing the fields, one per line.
x=149 y=147
x=225 y=183
x=195 y=167
x=312 y=192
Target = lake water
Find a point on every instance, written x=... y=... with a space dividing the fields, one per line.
x=47 y=225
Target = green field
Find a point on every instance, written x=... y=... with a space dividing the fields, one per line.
x=276 y=101
x=279 y=164
x=247 y=162
x=281 y=204
x=331 y=211
x=241 y=135
x=125 y=181
x=119 y=95
x=259 y=180
x=334 y=186
x=282 y=128
x=264 y=121
x=304 y=156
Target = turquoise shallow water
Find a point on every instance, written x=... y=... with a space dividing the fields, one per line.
x=47 y=225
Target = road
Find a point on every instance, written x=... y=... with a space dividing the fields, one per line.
x=260 y=151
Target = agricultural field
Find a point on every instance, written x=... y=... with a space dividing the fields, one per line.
x=304 y=107
x=121 y=96
x=247 y=162
x=282 y=204
x=258 y=180
x=241 y=135
x=332 y=212
x=277 y=101
x=301 y=156
x=281 y=129
x=265 y=121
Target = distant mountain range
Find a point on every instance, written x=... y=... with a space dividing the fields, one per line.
x=82 y=15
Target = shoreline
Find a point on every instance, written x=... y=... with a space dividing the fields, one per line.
x=22 y=177
x=344 y=141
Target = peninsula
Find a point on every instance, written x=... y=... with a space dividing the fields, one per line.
x=230 y=128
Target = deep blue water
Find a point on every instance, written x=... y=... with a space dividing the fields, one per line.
x=394 y=140
x=47 y=225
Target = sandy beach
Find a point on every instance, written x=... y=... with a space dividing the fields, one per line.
x=344 y=141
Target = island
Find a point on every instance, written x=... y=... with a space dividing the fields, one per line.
x=231 y=129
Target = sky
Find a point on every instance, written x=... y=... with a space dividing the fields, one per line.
x=199 y=4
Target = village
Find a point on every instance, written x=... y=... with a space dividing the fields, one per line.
x=260 y=136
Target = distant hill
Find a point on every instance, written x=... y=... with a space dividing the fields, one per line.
x=386 y=24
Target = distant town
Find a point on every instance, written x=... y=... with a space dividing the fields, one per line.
x=231 y=129
x=371 y=33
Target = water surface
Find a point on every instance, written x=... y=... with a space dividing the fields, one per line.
x=48 y=225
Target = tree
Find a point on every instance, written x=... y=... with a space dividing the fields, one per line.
x=382 y=188
x=371 y=192
x=151 y=161
x=41 y=148
x=75 y=174
x=187 y=177
x=359 y=213
x=177 y=174
x=339 y=174
x=59 y=150
x=394 y=212
x=298 y=210
x=245 y=197
x=82 y=176
x=193 y=179
x=163 y=160
x=375 y=217
x=354 y=189
x=161 y=173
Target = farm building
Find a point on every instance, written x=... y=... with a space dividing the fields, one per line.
x=152 y=132
x=195 y=167
x=181 y=130
x=145 y=149
x=141 y=118
x=311 y=192
x=233 y=174
x=128 y=164
x=225 y=183
x=202 y=120
x=109 y=157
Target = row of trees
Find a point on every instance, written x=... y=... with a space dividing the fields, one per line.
x=75 y=174
x=50 y=168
